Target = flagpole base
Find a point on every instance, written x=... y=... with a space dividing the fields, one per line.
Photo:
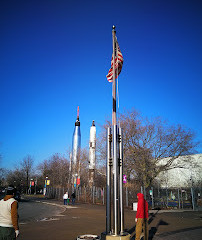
x=124 y=236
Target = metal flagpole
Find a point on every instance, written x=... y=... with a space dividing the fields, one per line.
x=114 y=126
x=117 y=232
x=114 y=79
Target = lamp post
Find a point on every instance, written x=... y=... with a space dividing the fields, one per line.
x=192 y=192
x=45 y=187
x=35 y=185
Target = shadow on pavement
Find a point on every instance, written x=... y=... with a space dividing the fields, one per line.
x=178 y=231
x=132 y=230
x=151 y=218
x=153 y=230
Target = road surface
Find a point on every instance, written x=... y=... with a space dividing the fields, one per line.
x=42 y=219
x=30 y=211
x=66 y=223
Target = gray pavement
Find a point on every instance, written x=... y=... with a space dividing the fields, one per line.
x=185 y=234
x=35 y=211
x=71 y=221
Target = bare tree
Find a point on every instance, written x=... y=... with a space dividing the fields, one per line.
x=1 y=173
x=84 y=170
x=17 y=178
x=56 y=168
x=3 y=177
x=147 y=142
x=27 y=167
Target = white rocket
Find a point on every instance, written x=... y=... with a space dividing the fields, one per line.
x=92 y=148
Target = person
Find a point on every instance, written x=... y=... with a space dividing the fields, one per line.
x=9 y=229
x=73 y=198
x=141 y=217
x=65 y=197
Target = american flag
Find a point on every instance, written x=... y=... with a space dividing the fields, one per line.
x=118 y=63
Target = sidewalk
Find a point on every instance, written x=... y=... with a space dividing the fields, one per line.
x=90 y=219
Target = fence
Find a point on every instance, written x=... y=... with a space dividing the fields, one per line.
x=157 y=198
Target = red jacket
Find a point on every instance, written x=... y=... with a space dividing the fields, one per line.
x=142 y=207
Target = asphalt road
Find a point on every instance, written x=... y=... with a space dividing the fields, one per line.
x=177 y=225
x=51 y=220
x=66 y=223
x=30 y=211
x=192 y=233
x=33 y=209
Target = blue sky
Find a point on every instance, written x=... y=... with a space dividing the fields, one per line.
x=55 y=54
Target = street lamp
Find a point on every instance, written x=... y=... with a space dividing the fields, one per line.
x=45 y=187
x=35 y=185
x=46 y=181
x=30 y=186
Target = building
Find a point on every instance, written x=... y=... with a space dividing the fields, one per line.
x=186 y=171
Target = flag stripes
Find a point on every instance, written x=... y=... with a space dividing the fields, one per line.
x=118 y=63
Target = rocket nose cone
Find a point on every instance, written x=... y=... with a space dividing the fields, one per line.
x=77 y=123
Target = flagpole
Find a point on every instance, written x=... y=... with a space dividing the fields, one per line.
x=115 y=158
x=114 y=126
x=114 y=80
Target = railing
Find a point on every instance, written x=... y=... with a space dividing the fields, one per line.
x=158 y=198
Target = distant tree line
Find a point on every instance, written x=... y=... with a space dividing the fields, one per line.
x=146 y=142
